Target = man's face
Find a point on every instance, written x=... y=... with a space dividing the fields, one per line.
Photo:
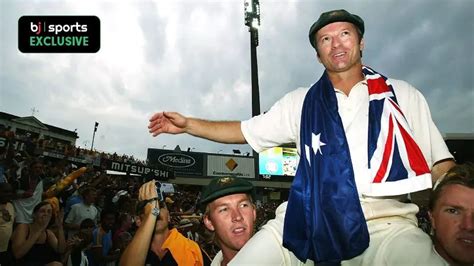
x=90 y=197
x=339 y=46
x=108 y=222
x=232 y=218
x=128 y=222
x=37 y=169
x=452 y=219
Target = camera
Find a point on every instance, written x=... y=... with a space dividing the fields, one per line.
x=159 y=191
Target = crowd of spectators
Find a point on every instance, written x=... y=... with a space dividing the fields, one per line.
x=34 y=145
x=96 y=214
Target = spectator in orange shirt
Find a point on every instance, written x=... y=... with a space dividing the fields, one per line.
x=154 y=242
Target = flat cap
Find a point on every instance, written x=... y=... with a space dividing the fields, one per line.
x=332 y=16
x=223 y=186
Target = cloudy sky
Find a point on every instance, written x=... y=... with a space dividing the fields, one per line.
x=193 y=57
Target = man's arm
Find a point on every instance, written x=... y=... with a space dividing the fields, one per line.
x=137 y=250
x=175 y=123
x=440 y=168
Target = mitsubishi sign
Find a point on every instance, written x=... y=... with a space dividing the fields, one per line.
x=131 y=168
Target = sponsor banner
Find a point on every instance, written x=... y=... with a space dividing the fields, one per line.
x=18 y=144
x=131 y=168
x=79 y=160
x=62 y=156
x=54 y=155
x=182 y=163
x=237 y=166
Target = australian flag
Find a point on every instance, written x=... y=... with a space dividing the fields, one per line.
x=324 y=221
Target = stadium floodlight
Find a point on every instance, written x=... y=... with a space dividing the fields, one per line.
x=255 y=23
x=252 y=14
x=248 y=7
x=252 y=20
x=96 y=125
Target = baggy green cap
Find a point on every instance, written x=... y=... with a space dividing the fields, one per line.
x=329 y=17
x=223 y=186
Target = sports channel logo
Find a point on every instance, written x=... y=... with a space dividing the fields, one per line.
x=59 y=34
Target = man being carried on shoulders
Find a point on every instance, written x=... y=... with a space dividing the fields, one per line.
x=365 y=141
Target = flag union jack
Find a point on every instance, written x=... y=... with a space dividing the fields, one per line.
x=394 y=156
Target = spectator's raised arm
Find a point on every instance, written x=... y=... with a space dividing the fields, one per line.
x=136 y=251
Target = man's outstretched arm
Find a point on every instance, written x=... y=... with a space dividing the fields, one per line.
x=175 y=123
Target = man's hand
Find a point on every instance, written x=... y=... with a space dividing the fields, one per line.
x=175 y=123
x=147 y=192
x=73 y=242
x=167 y=122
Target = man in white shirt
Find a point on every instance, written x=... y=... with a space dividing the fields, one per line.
x=81 y=211
x=350 y=89
x=29 y=191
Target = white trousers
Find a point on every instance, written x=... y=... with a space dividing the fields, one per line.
x=395 y=239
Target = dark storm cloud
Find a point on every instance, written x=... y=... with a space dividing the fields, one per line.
x=194 y=57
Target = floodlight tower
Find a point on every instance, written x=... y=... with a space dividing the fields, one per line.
x=93 y=135
x=252 y=20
